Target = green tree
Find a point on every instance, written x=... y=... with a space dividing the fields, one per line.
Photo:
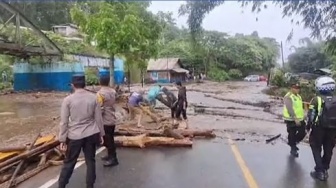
x=239 y=55
x=309 y=58
x=43 y=14
x=318 y=16
x=118 y=28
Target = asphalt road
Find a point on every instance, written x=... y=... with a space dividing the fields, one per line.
x=208 y=164
x=218 y=163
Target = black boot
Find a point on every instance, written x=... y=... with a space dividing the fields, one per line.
x=326 y=174
x=111 y=162
x=112 y=159
x=105 y=157
x=318 y=175
x=294 y=152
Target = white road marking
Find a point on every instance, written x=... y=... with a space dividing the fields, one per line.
x=55 y=179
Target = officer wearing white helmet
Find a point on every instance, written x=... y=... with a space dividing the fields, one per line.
x=322 y=122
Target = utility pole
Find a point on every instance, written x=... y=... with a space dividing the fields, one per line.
x=282 y=56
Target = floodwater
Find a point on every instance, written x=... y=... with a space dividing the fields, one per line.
x=223 y=106
x=23 y=116
x=236 y=111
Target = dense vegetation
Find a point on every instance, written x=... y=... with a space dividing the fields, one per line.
x=131 y=31
x=217 y=54
x=310 y=57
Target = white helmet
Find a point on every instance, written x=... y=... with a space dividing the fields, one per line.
x=325 y=84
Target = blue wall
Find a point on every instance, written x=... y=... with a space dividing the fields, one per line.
x=118 y=71
x=45 y=76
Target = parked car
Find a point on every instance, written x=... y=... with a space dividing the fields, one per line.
x=252 y=78
x=262 y=78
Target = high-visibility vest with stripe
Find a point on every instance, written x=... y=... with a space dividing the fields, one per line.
x=319 y=107
x=297 y=107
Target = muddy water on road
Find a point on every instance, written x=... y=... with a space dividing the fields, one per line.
x=244 y=112
x=22 y=116
x=238 y=107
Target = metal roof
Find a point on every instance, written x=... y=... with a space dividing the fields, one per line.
x=163 y=64
x=180 y=70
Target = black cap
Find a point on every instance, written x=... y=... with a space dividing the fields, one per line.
x=78 y=79
x=295 y=85
x=178 y=83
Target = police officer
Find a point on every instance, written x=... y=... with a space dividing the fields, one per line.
x=106 y=98
x=321 y=109
x=293 y=114
x=81 y=128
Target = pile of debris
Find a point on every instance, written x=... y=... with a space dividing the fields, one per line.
x=20 y=163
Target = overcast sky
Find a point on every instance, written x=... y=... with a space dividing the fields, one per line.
x=232 y=18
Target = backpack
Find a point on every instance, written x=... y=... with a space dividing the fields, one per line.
x=328 y=114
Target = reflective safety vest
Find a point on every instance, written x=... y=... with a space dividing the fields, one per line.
x=319 y=107
x=297 y=107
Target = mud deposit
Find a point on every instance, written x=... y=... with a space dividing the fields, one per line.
x=238 y=107
x=23 y=116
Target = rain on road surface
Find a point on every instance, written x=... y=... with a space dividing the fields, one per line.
x=237 y=158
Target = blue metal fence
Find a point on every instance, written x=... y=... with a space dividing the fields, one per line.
x=45 y=76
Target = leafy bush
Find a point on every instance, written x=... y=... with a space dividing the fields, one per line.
x=5 y=85
x=235 y=73
x=218 y=75
x=91 y=76
x=307 y=92
x=8 y=70
x=278 y=79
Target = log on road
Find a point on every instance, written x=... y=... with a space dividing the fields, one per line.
x=13 y=149
x=143 y=141
x=161 y=133
x=34 y=152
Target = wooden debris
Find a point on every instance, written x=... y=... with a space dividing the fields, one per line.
x=26 y=175
x=142 y=141
x=19 y=166
x=34 y=152
x=13 y=149
x=150 y=114
x=169 y=132
x=159 y=133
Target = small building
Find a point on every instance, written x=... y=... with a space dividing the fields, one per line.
x=65 y=29
x=165 y=70
x=323 y=72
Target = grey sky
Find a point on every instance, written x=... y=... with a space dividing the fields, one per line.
x=231 y=18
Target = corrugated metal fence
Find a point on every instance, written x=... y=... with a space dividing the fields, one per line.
x=45 y=76
x=57 y=76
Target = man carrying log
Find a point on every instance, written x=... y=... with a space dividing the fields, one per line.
x=171 y=102
x=181 y=104
x=106 y=98
x=134 y=102
x=152 y=95
x=81 y=127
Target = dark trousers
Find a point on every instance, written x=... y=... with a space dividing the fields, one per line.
x=322 y=138
x=295 y=133
x=180 y=110
x=109 y=141
x=74 y=147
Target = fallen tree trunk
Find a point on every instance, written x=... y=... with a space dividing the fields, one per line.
x=161 y=133
x=142 y=141
x=26 y=175
x=36 y=151
x=150 y=114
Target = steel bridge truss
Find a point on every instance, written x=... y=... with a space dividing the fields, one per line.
x=15 y=46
